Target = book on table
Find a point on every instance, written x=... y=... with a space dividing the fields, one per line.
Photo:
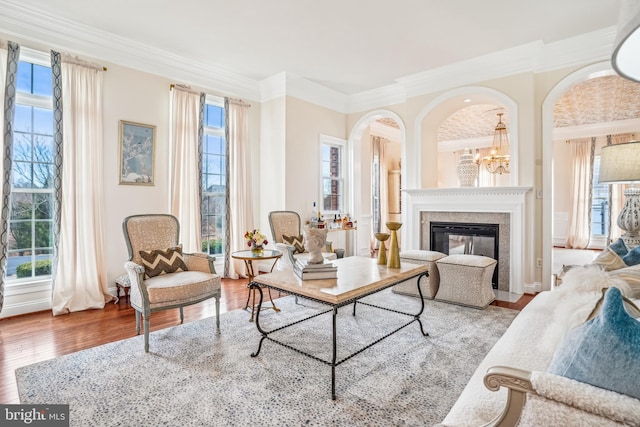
x=324 y=270
x=311 y=275
x=323 y=266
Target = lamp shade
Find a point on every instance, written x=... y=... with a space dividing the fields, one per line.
x=620 y=162
x=626 y=49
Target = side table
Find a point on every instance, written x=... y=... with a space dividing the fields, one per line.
x=248 y=257
x=123 y=282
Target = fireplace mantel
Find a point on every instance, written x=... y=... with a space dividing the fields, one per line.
x=509 y=200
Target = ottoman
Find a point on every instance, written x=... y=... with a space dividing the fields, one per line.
x=428 y=285
x=466 y=280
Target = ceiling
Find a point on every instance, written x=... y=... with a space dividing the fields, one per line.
x=348 y=46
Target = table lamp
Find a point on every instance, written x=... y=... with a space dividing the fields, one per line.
x=626 y=48
x=620 y=164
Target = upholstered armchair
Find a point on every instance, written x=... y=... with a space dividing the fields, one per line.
x=286 y=225
x=162 y=277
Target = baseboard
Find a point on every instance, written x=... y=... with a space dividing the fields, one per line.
x=532 y=288
x=16 y=309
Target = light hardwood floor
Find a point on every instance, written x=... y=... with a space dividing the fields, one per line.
x=35 y=337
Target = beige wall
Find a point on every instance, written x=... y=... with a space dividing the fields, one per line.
x=304 y=125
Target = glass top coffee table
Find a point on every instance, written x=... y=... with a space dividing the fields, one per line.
x=358 y=277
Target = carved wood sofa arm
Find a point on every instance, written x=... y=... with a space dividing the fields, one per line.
x=518 y=384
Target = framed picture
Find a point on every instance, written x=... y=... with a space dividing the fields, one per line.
x=137 y=151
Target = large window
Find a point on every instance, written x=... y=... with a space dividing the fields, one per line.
x=333 y=172
x=599 y=204
x=30 y=243
x=214 y=178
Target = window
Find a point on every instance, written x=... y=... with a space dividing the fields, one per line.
x=599 y=204
x=214 y=178
x=333 y=173
x=30 y=243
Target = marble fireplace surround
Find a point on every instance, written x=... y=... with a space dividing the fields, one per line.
x=456 y=204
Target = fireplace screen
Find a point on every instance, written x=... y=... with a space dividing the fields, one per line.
x=463 y=238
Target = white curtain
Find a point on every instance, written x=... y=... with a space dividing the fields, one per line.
x=378 y=148
x=579 y=229
x=184 y=186
x=81 y=275
x=240 y=192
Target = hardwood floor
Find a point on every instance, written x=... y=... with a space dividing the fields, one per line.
x=35 y=337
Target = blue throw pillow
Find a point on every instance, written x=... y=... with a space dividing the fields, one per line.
x=619 y=248
x=632 y=257
x=603 y=352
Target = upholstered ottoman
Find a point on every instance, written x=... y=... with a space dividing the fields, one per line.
x=428 y=285
x=466 y=280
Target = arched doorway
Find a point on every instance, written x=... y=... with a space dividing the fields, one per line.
x=598 y=122
x=389 y=130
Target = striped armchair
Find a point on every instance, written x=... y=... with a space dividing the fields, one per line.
x=162 y=277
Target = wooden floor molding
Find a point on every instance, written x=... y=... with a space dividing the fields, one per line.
x=35 y=337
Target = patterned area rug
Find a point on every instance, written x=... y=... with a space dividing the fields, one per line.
x=196 y=377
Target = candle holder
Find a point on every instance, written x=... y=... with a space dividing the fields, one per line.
x=394 y=250
x=382 y=249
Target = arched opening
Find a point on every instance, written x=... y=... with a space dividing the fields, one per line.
x=591 y=106
x=462 y=108
x=376 y=146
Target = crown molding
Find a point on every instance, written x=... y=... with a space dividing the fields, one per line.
x=73 y=37
x=316 y=93
x=55 y=32
x=579 y=50
x=375 y=98
x=495 y=65
x=531 y=57
x=273 y=87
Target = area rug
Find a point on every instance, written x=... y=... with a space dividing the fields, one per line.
x=194 y=376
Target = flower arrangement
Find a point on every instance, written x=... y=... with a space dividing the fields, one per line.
x=255 y=238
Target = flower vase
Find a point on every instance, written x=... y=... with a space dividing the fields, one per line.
x=257 y=249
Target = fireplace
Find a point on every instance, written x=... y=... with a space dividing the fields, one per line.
x=467 y=238
x=487 y=205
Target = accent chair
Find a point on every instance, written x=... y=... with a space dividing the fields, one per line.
x=161 y=276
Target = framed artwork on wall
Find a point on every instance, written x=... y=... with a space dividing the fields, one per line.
x=137 y=152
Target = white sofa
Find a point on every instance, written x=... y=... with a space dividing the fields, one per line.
x=512 y=386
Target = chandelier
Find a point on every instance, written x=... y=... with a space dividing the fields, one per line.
x=498 y=160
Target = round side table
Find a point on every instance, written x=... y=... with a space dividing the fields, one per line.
x=248 y=257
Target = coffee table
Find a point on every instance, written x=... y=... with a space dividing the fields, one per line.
x=358 y=277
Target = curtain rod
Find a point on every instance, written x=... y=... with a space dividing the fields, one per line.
x=238 y=102
x=77 y=61
x=183 y=87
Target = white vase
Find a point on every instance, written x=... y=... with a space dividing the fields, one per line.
x=467 y=170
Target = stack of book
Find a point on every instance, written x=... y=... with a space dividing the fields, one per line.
x=325 y=270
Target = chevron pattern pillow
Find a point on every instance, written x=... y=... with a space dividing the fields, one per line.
x=157 y=262
x=296 y=241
